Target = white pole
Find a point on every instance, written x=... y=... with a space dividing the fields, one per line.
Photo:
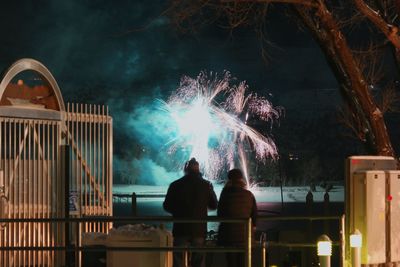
x=324 y=250
x=356 y=256
x=325 y=261
x=356 y=244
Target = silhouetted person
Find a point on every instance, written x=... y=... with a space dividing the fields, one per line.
x=235 y=202
x=190 y=197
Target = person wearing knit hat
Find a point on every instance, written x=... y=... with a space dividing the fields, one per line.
x=235 y=202
x=190 y=197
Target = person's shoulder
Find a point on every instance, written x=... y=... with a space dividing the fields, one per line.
x=248 y=192
x=177 y=181
x=205 y=181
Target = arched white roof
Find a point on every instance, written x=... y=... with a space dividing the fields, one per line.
x=33 y=65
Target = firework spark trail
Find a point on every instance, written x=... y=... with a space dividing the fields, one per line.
x=199 y=118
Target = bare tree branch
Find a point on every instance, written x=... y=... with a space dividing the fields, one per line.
x=353 y=122
x=389 y=99
x=389 y=30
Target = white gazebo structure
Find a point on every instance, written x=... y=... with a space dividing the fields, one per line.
x=50 y=153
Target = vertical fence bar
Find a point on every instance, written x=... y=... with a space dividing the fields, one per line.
x=34 y=192
x=81 y=173
x=93 y=166
x=42 y=191
x=22 y=236
x=81 y=120
x=7 y=183
x=2 y=237
x=99 y=191
x=342 y=242
x=249 y=234
x=86 y=175
x=3 y=167
x=102 y=167
x=110 y=155
x=6 y=175
x=78 y=254
x=10 y=226
x=90 y=166
x=5 y=231
x=12 y=190
x=30 y=189
x=49 y=192
x=66 y=174
x=14 y=202
x=107 y=189
x=61 y=190
x=20 y=187
x=53 y=199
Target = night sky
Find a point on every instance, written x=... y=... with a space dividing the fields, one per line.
x=124 y=54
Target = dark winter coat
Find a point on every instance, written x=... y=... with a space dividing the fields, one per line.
x=235 y=202
x=190 y=197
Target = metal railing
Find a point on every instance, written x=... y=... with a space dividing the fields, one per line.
x=77 y=247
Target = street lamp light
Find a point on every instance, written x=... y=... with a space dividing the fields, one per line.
x=324 y=250
x=356 y=244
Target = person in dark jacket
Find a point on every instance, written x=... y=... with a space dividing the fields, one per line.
x=190 y=197
x=235 y=202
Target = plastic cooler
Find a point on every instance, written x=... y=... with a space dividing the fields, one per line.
x=131 y=236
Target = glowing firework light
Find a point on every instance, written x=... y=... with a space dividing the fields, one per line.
x=211 y=115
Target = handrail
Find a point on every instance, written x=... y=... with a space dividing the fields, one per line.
x=246 y=248
x=157 y=195
x=298 y=218
x=78 y=249
x=123 y=219
x=115 y=248
x=166 y=219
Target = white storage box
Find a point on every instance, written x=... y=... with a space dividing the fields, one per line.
x=368 y=204
x=139 y=235
x=394 y=213
x=358 y=164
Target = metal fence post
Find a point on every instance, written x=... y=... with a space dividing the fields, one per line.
x=342 y=242
x=185 y=258
x=263 y=250
x=248 y=249
x=65 y=150
x=78 y=253
x=134 y=204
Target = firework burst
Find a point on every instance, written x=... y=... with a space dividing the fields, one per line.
x=211 y=118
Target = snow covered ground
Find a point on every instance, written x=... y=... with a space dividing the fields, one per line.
x=262 y=194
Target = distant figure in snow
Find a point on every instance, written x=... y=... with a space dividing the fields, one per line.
x=235 y=202
x=190 y=197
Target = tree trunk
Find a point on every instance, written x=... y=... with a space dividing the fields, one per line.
x=352 y=82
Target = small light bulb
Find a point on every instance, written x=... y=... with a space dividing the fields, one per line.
x=356 y=239
x=324 y=246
